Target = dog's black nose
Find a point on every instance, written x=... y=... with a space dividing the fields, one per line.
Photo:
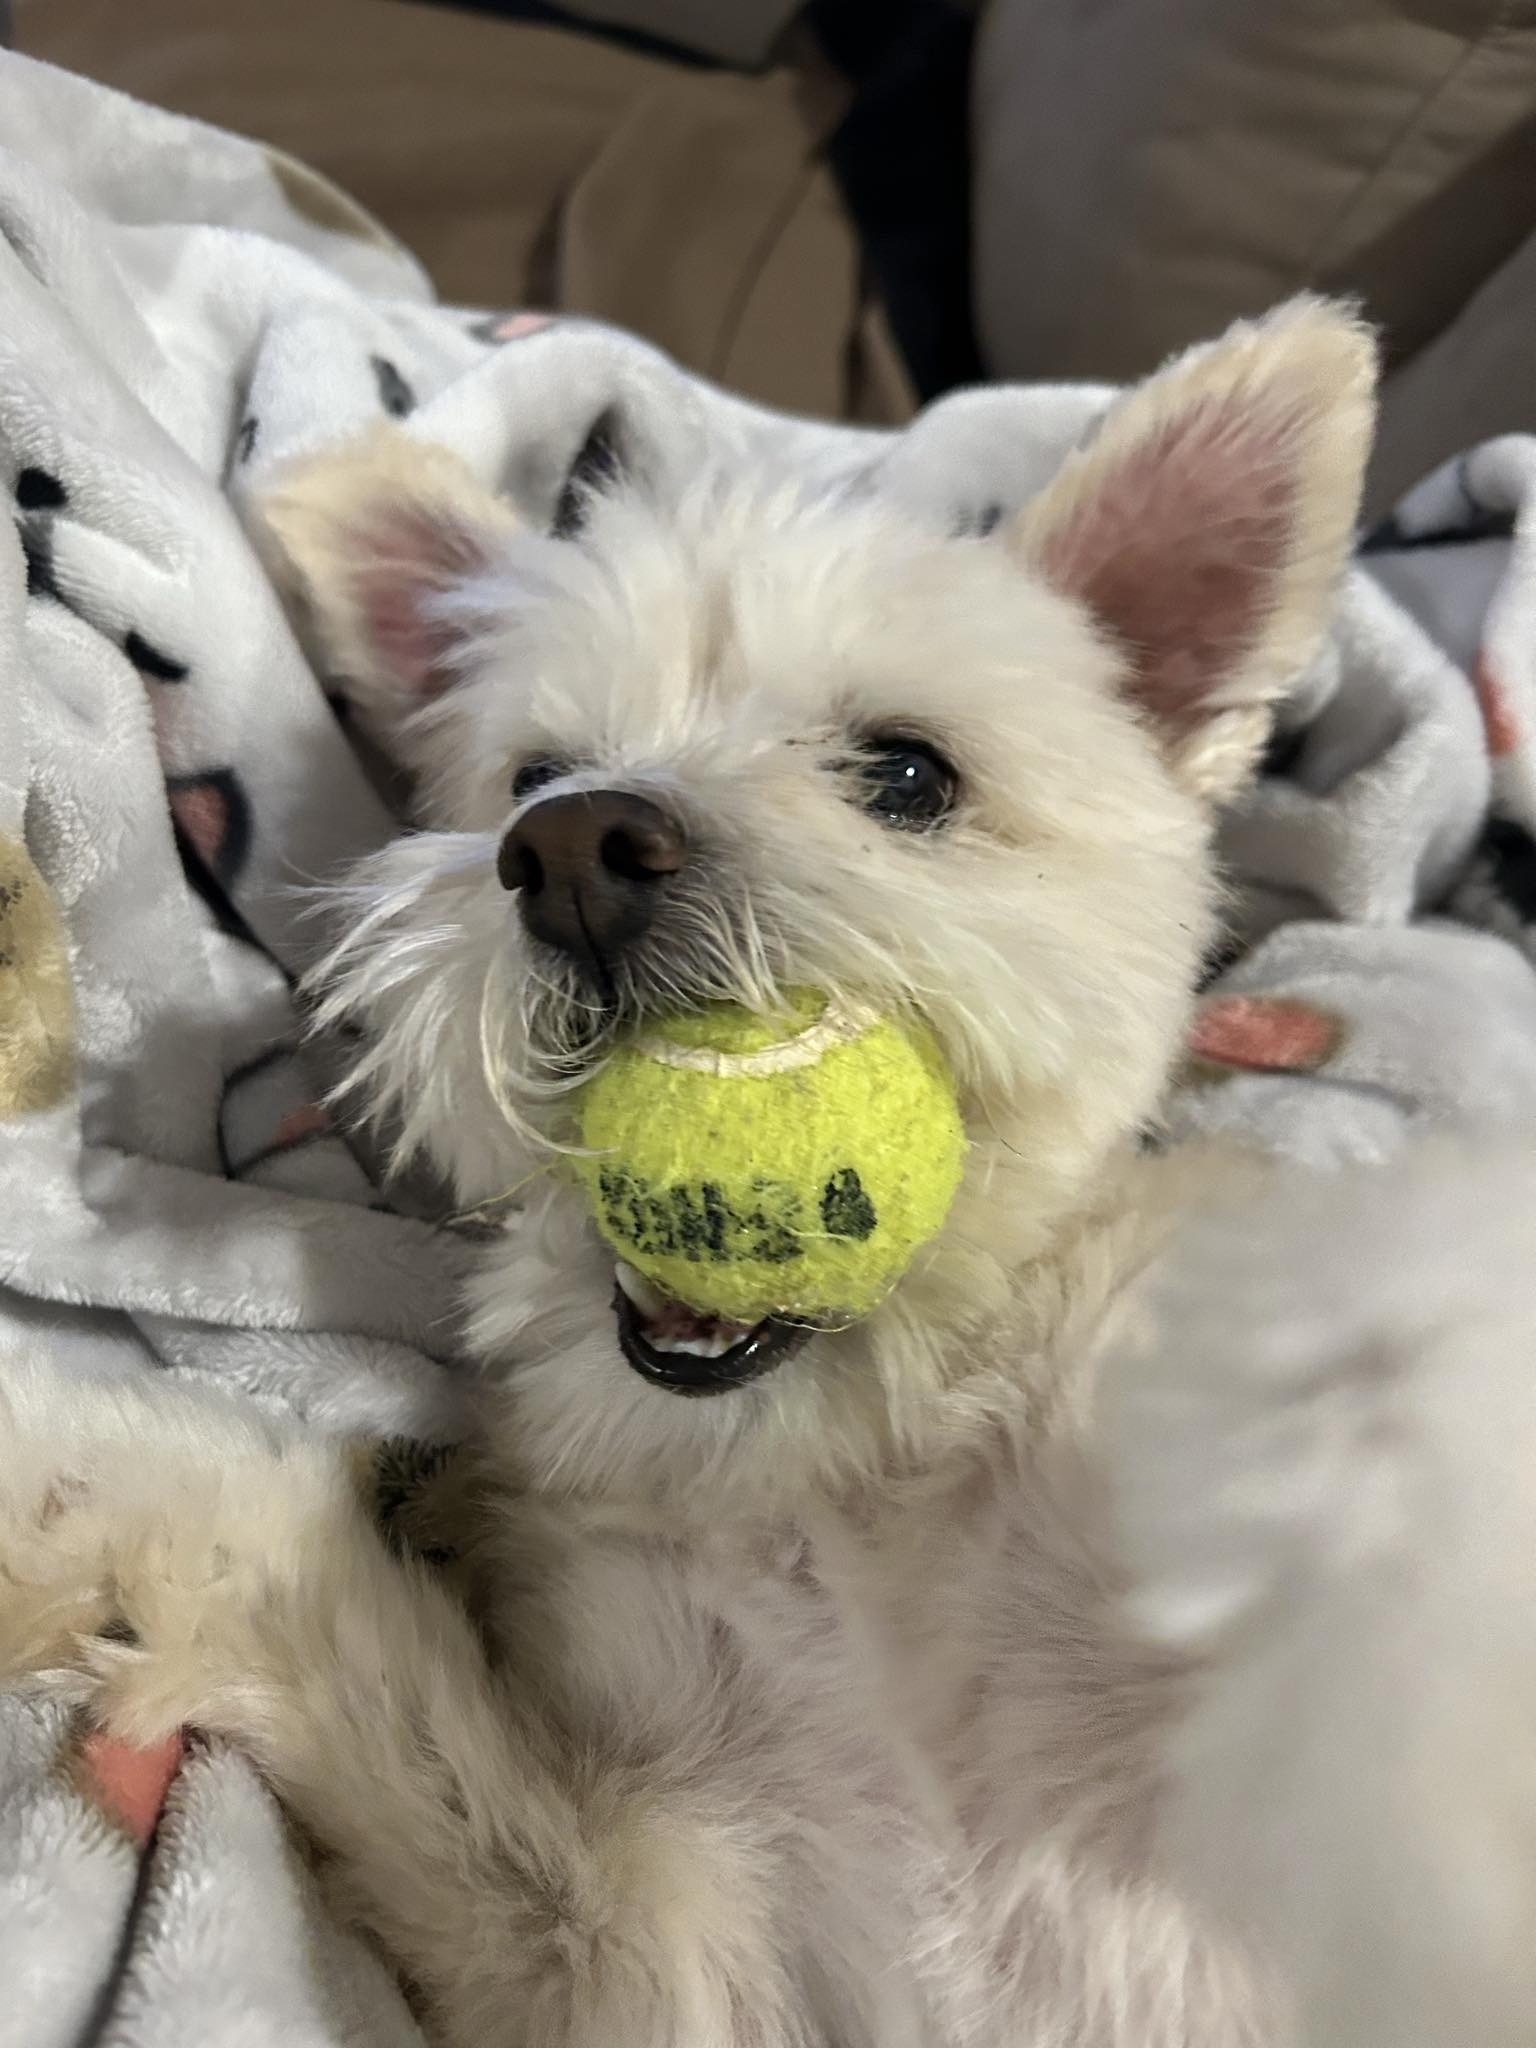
x=589 y=869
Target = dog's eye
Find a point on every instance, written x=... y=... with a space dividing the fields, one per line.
x=534 y=773
x=907 y=783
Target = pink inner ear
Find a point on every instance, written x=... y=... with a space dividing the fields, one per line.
x=1177 y=548
x=410 y=646
x=407 y=556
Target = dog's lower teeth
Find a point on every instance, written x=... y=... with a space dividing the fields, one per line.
x=670 y=1326
x=696 y=1347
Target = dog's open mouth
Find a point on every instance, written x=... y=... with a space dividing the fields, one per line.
x=688 y=1352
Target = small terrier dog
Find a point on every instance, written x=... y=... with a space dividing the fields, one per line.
x=811 y=1714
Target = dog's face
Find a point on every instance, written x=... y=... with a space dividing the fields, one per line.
x=738 y=742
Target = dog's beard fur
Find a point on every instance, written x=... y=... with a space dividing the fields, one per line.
x=725 y=651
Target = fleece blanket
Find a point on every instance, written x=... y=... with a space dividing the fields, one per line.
x=179 y=311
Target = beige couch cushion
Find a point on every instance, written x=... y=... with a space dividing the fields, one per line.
x=741 y=33
x=530 y=166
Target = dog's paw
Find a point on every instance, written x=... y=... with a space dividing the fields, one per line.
x=56 y=1592
x=55 y=1539
x=137 y=1521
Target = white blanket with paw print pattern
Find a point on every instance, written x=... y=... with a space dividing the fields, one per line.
x=180 y=310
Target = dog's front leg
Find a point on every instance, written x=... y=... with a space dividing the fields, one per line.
x=174 y=1559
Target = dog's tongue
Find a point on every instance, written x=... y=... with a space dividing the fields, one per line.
x=672 y=1326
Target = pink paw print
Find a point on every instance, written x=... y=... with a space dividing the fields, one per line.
x=1265 y=1034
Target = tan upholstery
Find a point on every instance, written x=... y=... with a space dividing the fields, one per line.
x=741 y=32
x=527 y=166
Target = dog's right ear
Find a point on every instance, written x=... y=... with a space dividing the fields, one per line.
x=1207 y=525
x=378 y=543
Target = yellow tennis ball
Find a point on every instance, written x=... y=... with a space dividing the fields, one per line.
x=751 y=1167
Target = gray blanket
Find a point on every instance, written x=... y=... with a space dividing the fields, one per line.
x=182 y=310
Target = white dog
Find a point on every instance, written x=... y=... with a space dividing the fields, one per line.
x=811 y=1713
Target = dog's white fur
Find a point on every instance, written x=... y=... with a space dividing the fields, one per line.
x=812 y=1713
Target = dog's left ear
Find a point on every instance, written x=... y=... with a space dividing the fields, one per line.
x=379 y=542
x=1207 y=523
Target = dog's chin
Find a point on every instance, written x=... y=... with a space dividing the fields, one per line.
x=688 y=1352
